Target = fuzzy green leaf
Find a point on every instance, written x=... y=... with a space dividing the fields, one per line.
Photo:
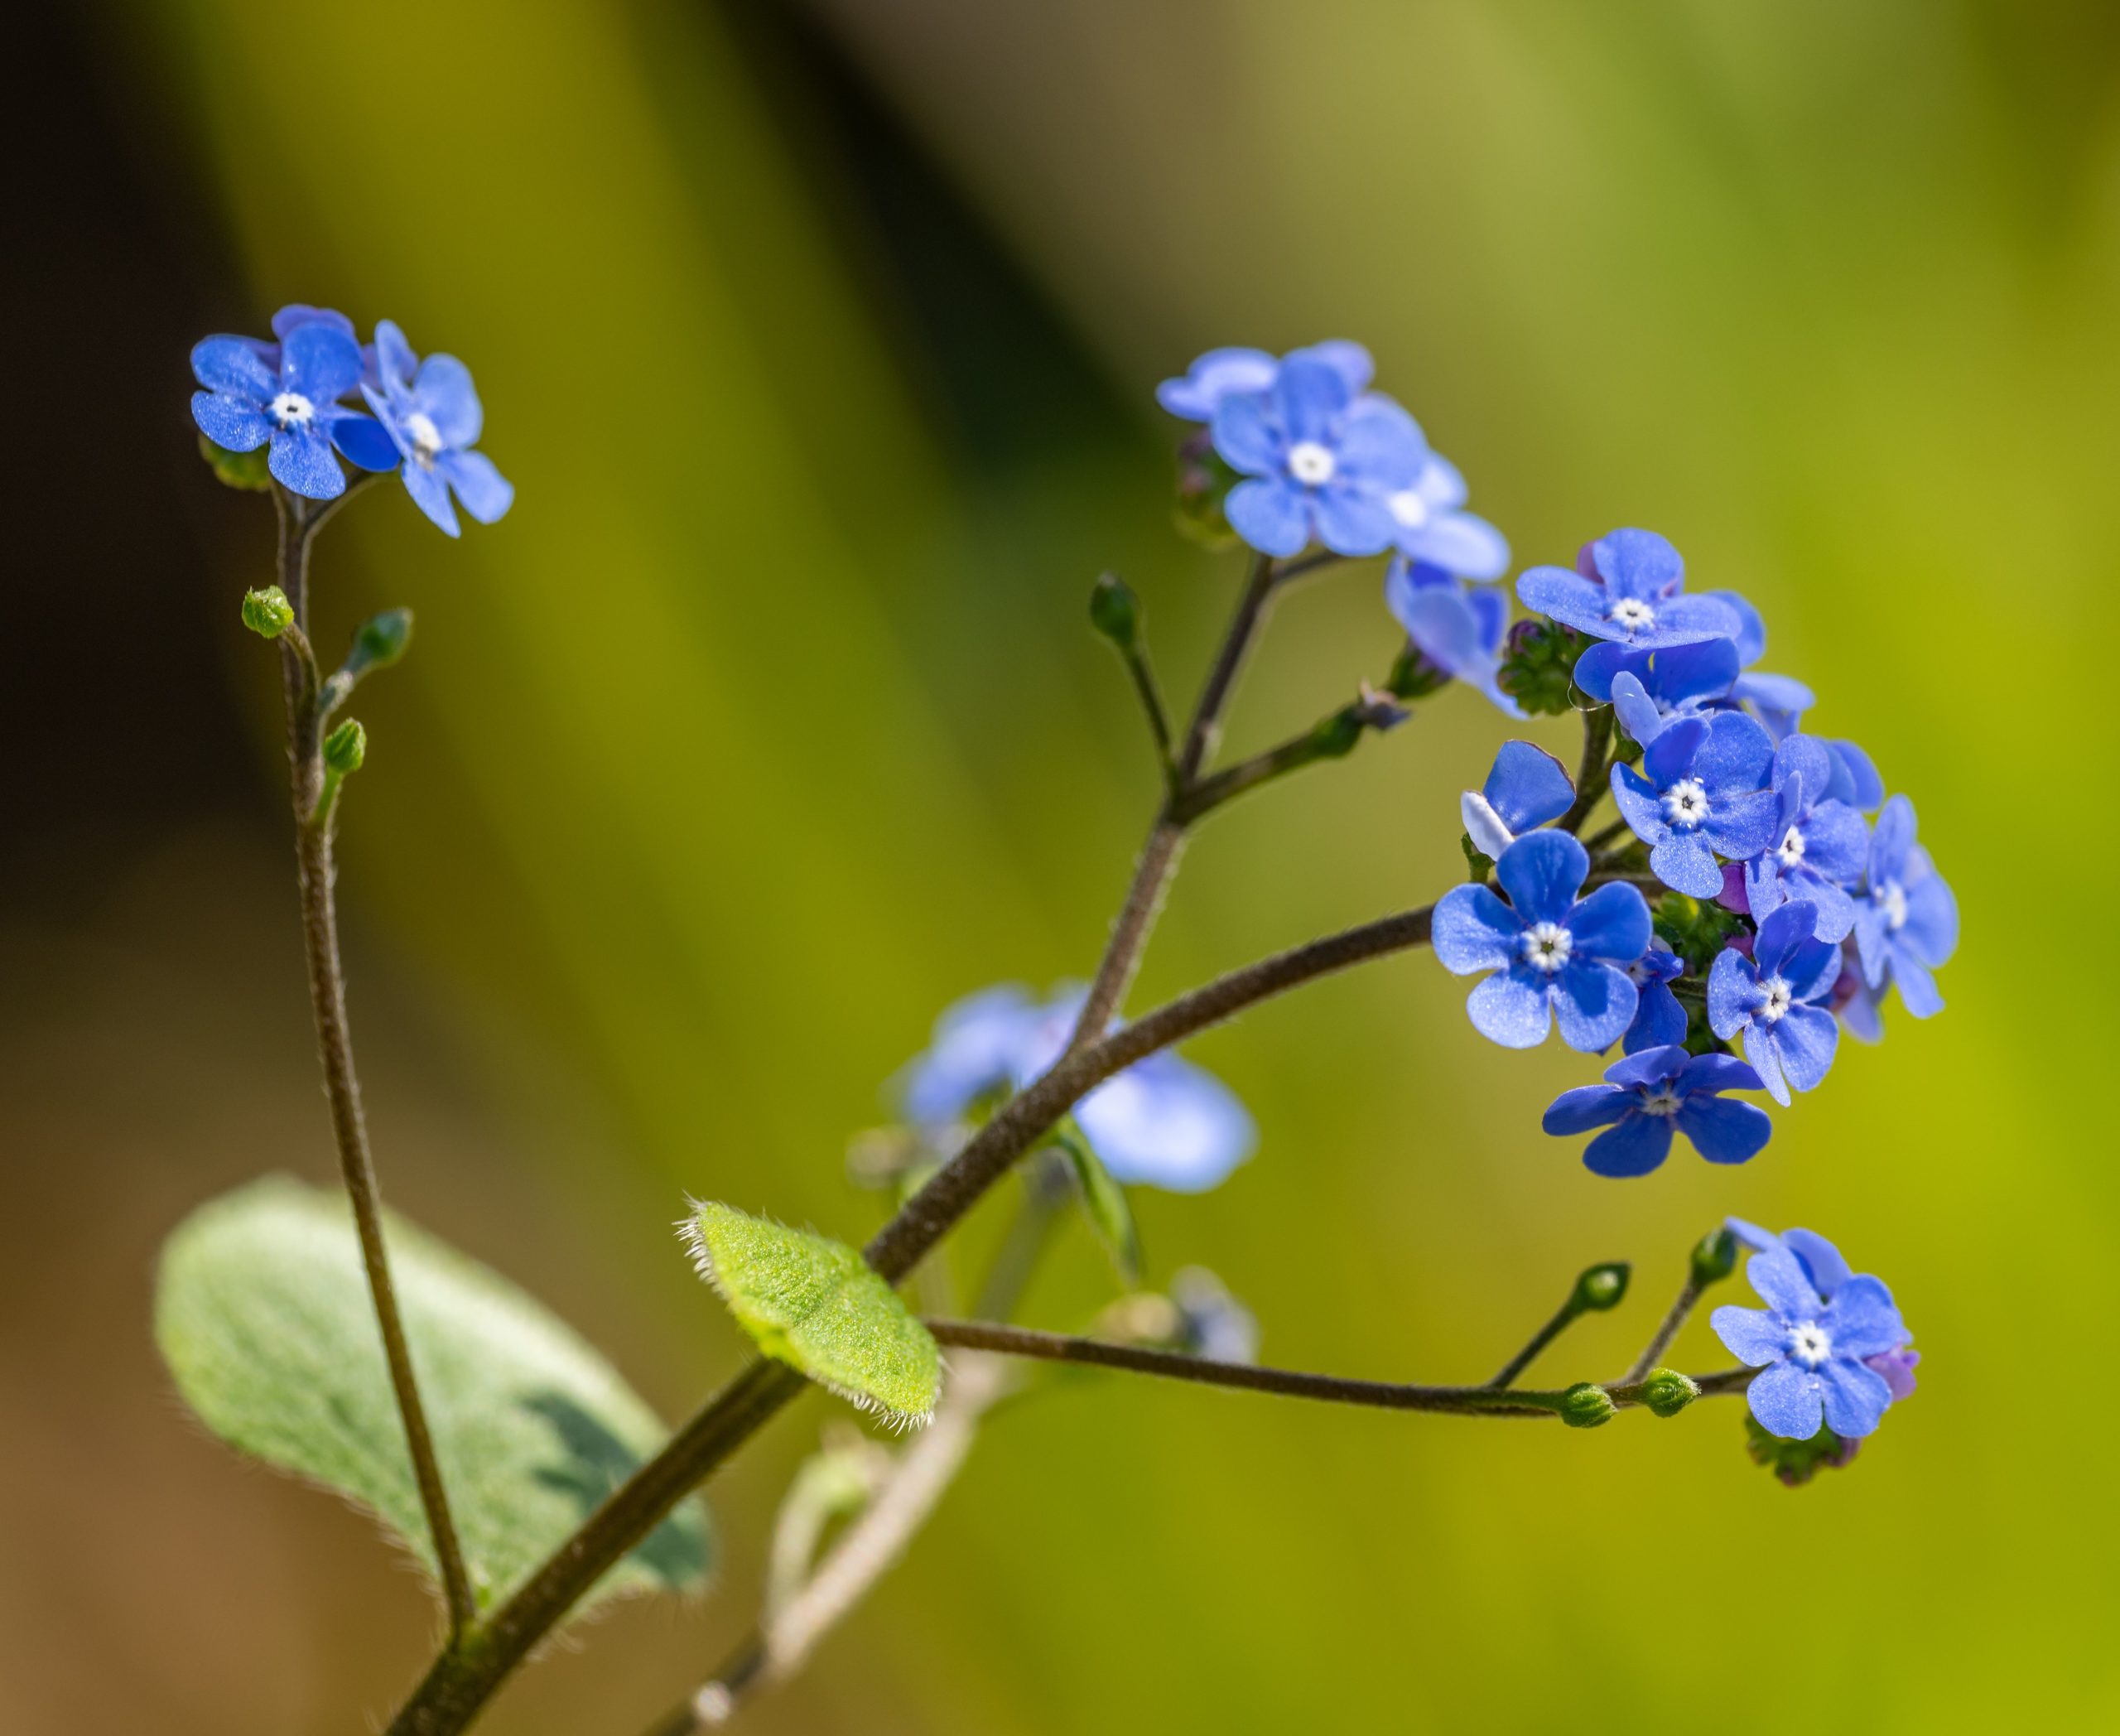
x=244 y=471
x=1103 y=1203
x=263 y=1313
x=815 y=1304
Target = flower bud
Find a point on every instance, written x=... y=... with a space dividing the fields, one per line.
x=267 y=613
x=1602 y=1287
x=1586 y=1405
x=1114 y=611
x=345 y=747
x=1204 y=481
x=381 y=642
x=1666 y=1392
x=244 y=471
x=1714 y=1257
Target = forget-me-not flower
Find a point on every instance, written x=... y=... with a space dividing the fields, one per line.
x=434 y=417
x=1320 y=462
x=1647 y=1096
x=1457 y=628
x=973 y=1053
x=1198 y=393
x=1434 y=528
x=1701 y=790
x=1525 y=787
x=1553 y=956
x=1629 y=585
x=1659 y=1019
x=1827 y=1270
x=1779 y=701
x=1855 y=779
x=1906 y=921
x=292 y=407
x=1819 y=845
x=1812 y=1353
x=1770 y=998
x=1648 y=687
x=297 y=313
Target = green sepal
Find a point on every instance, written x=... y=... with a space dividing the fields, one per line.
x=1586 y=1405
x=267 y=613
x=816 y=1304
x=1602 y=1286
x=264 y=1315
x=1204 y=480
x=1115 y=612
x=1714 y=1257
x=248 y=471
x=380 y=642
x=1695 y=929
x=1103 y=1203
x=1477 y=866
x=1795 y=1462
x=345 y=747
x=1666 y=1391
x=1537 y=668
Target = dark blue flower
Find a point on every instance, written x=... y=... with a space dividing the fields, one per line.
x=1779 y=701
x=1458 y=627
x=1906 y=921
x=1770 y=998
x=1659 y=1019
x=1647 y=1096
x=1819 y=845
x=434 y=417
x=1525 y=787
x=1648 y=687
x=1552 y=956
x=1701 y=792
x=296 y=314
x=1433 y=529
x=1220 y=373
x=1628 y=586
x=1812 y=1353
x=292 y=407
x=1320 y=461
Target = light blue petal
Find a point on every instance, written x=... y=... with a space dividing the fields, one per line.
x=1862 y=1319
x=1836 y=841
x=485 y=493
x=232 y=366
x=1889 y=843
x=1462 y=543
x=1682 y=619
x=1855 y=779
x=1612 y=924
x=1352 y=521
x=973 y=1051
x=1473 y=930
x=1805 y=1040
x=1741 y=825
x=1785 y=1399
x=430 y=492
x=1312 y=397
x=1380 y=447
x=1541 y=874
x=1737 y=755
x=1166 y=1123
x=301 y=461
x=1211 y=378
x=1565 y=596
x=1760 y=1050
x=1594 y=1004
x=1273 y=517
x=1632 y=705
x=1752 y=1335
x=1683 y=862
x=229 y=423
x=1637 y=563
x=1829 y=1272
x=1750 y=639
x=1733 y=991
x=321 y=362
x=1508 y=1011
x=1344 y=357
x=1637 y=802
x=1917 y=989
x=1855 y=1398
x=297 y=313
x=443 y=390
x=1783 y=1285
x=395 y=362
x=1930 y=931
x=1248 y=434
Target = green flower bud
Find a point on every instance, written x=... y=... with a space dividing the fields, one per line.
x=245 y=470
x=1114 y=611
x=1204 y=481
x=267 y=613
x=380 y=642
x=1586 y=1405
x=1666 y=1392
x=1602 y=1287
x=1795 y=1462
x=1538 y=667
x=345 y=747
x=1478 y=867
x=1714 y=1257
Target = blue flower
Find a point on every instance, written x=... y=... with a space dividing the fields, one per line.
x=1855 y=779
x=1553 y=956
x=1648 y=687
x=1525 y=787
x=1221 y=373
x=1319 y=461
x=1457 y=628
x=973 y=1053
x=297 y=313
x=434 y=417
x=1811 y=1352
x=1770 y=997
x=1659 y=1019
x=1647 y=1095
x=1433 y=530
x=1627 y=585
x=1819 y=845
x=1779 y=701
x=292 y=405
x=1906 y=923
x=1828 y=1271
x=1702 y=790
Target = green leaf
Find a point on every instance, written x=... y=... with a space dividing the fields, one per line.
x=1103 y=1203
x=264 y=1315
x=815 y=1304
x=244 y=471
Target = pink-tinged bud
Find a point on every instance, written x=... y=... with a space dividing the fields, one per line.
x=1732 y=897
x=1897 y=1367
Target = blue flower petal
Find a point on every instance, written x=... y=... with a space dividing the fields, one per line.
x=1781 y=934
x=1312 y=396
x=1783 y=1285
x=1246 y=434
x=1379 y=446
x=321 y=362
x=1565 y=596
x=1889 y=843
x=1821 y=1260
x=1507 y=1009
x=1752 y=1335
x=1541 y=873
x=1345 y=357
x=973 y=1051
x=1168 y=1123
x=297 y=313
x=1682 y=674
x=485 y=493
x=1713 y=1073
x=1750 y=637
x=1741 y=825
x=443 y=389
x=1761 y=1051
x=430 y=492
x=1723 y=1131
x=1637 y=1146
x=1671 y=755
x=1855 y=1398
x=1738 y=754
x=1527 y=786
x=1862 y=1319
x=231 y=423
x=1930 y=931
x=1637 y=563
x=1855 y=779
x=1272 y=516
x=1612 y=924
x=1685 y=863
x=1473 y=930
x=1732 y=989
x=1836 y=842
x=1785 y=1399
x=231 y=365
x=1594 y=1004
x=1352 y=521
x=1682 y=619
x=364 y=441
x=1459 y=542
x=1659 y=1019
x=300 y=458
x=1638 y=804
x=1806 y=1038
x=1585 y=1107
x=1212 y=377
x=1917 y=989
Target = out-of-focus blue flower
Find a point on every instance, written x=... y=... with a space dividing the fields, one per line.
x=1433 y=529
x=1701 y=790
x=1215 y=1325
x=1525 y=787
x=1824 y=1265
x=1855 y=779
x=1819 y=845
x=1647 y=1096
x=973 y=1053
x=1457 y=628
x=1198 y=392
x=1552 y=956
x=291 y=407
x=1629 y=585
x=1659 y=1019
x=1813 y=1353
x=434 y=418
x=1858 y=1006
x=1770 y=998
x=1906 y=923
x=1320 y=462
x=1648 y=687
x=1779 y=701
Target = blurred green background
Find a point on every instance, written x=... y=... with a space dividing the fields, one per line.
x=819 y=344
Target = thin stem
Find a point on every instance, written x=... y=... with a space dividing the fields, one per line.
x=1332 y=737
x=1565 y=1318
x=1681 y=1309
x=1593 y=773
x=1598 y=840
x=1151 y=697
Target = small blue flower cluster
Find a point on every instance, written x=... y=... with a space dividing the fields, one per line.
x=1161 y=1122
x=288 y=395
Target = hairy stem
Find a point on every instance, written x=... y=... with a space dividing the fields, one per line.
x=327 y=992
x=1593 y=774
x=1565 y=1318
x=1674 y=1321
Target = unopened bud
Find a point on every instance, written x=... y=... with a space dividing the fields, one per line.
x=1586 y=1405
x=245 y=470
x=267 y=613
x=345 y=747
x=1602 y=1287
x=1114 y=611
x=1666 y=1392
x=1714 y=1257
x=381 y=642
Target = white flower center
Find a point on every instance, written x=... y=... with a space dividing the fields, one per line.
x=1780 y=998
x=426 y=437
x=1685 y=802
x=1633 y=613
x=292 y=410
x=1547 y=945
x=1891 y=899
x=1408 y=508
x=1311 y=464
x=1810 y=1344
x=1665 y=1100
x=1790 y=849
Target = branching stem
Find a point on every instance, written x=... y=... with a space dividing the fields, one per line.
x=1594 y=772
